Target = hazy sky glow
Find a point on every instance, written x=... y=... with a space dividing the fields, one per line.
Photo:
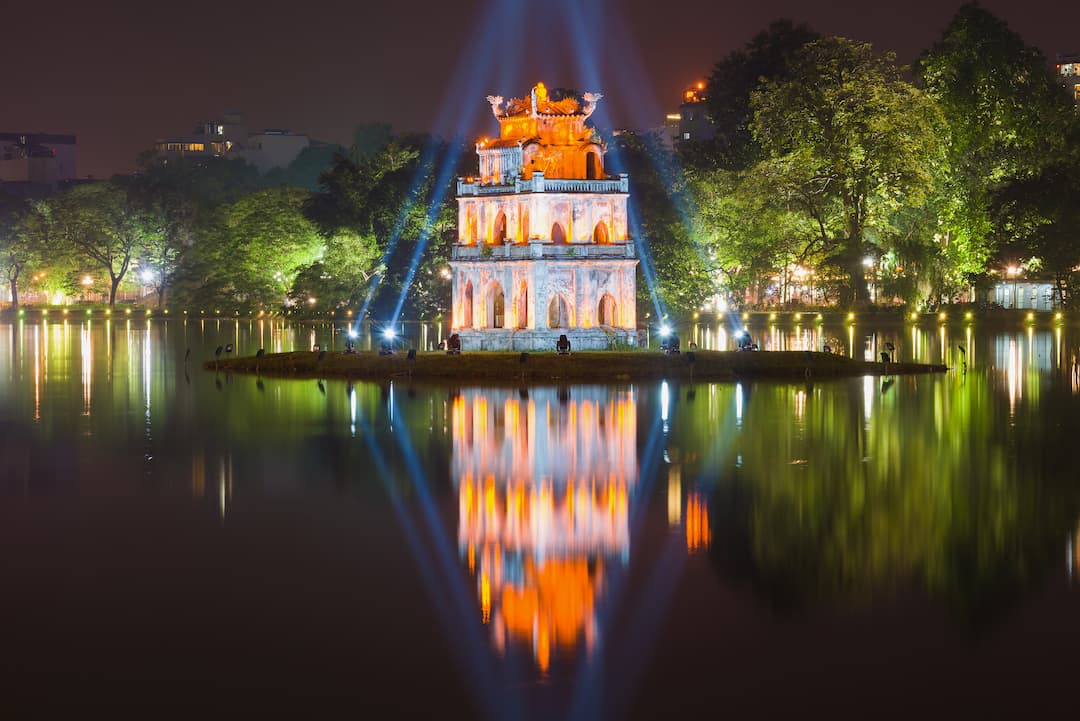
x=123 y=74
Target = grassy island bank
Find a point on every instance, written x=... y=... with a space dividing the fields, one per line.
x=577 y=367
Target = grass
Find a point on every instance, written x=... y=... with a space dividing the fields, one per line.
x=581 y=366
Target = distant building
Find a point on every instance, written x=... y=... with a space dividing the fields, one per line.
x=1068 y=67
x=36 y=164
x=693 y=116
x=274 y=148
x=228 y=137
x=210 y=139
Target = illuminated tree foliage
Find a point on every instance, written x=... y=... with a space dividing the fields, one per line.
x=104 y=226
x=382 y=196
x=1039 y=217
x=17 y=247
x=848 y=142
x=1006 y=117
x=662 y=206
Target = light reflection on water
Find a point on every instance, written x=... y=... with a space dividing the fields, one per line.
x=570 y=510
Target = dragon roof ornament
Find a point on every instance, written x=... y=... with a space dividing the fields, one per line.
x=539 y=103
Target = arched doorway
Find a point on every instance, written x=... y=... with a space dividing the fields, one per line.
x=558 y=234
x=558 y=313
x=592 y=166
x=498 y=233
x=600 y=234
x=496 y=306
x=466 y=305
x=521 y=309
x=606 y=311
x=525 y=226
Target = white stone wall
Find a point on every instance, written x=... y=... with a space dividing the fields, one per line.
x=529 y=286
x=578 y=213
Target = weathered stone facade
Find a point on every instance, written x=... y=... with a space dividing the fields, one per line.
x=543 y=248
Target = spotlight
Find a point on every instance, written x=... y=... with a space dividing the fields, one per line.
x=389 y=334
x=665 y=331
x=352 y=333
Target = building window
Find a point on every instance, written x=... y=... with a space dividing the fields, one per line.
x=558 y=313
x=496 y=306
x=605 y=313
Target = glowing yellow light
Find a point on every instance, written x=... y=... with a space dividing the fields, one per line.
x=108 y=311
x=969 y=315
x=772 y=316
x=746 y=316
x=914 y=316
x=798 y=316
x=127 y=311
x=1057 y=316
x=1031 y=316
x=941 y=315
x=851 y=316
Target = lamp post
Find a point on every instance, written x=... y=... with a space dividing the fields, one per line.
x=1012 y=271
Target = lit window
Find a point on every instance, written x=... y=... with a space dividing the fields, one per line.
x=686 y=136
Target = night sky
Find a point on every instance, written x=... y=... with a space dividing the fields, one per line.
x=122 y=74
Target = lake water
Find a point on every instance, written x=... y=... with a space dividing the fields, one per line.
x=179 y=543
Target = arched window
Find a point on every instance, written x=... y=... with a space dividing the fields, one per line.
x=592 y=165
x=558 y=313
x=525 y=226
x=498 y=233
x=522 y=305
x=600 y=234
x=466 y=305
x=496 y=306
x=558 y=234
x=606 y=311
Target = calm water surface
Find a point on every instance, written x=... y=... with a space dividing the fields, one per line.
x=179 y=543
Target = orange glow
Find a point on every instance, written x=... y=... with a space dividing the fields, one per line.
x=553 y=506
x=697 y=524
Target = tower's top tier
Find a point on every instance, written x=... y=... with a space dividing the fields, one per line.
x=540 y=134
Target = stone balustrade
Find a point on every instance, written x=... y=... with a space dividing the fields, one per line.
x=541 y=249
x=538 y=183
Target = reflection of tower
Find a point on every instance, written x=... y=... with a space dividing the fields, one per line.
x=543 y=488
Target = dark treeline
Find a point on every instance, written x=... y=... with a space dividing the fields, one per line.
x=831 y=165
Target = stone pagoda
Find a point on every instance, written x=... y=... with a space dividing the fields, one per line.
x=542 y=247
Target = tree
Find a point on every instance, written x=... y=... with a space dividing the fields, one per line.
x=1039 y=217
x=388 y=194
x=1005 y=117
x=16 y=253
x=661 y=214
x=734 y=79
x=104 y=225
x=263 y=241
x=848 y=142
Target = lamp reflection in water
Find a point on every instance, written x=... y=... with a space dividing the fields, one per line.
x=544 y=489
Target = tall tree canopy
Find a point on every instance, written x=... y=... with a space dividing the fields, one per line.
x=848 y=141
x=766 y=57
x=1006 y=117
